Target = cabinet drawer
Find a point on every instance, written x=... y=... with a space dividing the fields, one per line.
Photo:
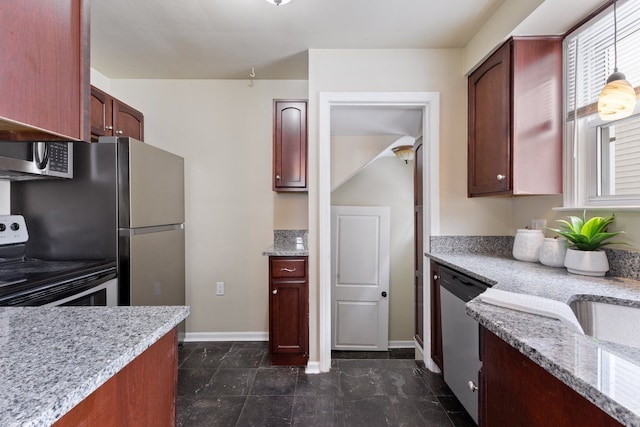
x=288 y=267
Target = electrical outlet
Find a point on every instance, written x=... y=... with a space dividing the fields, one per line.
x=219 y=288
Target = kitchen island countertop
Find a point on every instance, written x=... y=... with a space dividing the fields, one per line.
x=606 y=374
x=53 y=358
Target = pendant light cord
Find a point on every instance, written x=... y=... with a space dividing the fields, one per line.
x=615 y=38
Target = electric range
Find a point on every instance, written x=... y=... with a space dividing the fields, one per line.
x=36 y=282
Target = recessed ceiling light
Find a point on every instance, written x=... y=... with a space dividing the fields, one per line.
x=279 y=2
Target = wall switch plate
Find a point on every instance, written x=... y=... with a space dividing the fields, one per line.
x=219 y=288
x=539 y=224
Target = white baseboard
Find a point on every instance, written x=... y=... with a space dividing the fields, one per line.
x=312 y=368
x=401 y=344
x=226 y=336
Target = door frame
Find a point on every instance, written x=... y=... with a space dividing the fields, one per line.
x=429 y=102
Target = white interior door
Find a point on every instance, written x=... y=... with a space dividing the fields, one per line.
x=360 y=277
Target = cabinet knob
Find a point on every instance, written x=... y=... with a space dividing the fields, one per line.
x=119 y=132
x=108 y=128
x=472 y=386
x=384 y=294
x=435 y=277
x=278 y=177
x=500 y=177
x=275 y=291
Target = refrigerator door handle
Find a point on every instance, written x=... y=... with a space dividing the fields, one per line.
x=148 y=230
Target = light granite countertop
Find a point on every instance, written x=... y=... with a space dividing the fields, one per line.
x=285 y=250
x=53 y=358
x=606 y=374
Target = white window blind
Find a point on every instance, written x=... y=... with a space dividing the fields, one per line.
x=627 y=158
x=589 y=54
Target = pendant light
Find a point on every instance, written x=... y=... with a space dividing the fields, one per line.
x=279 y=2
x=618 y=98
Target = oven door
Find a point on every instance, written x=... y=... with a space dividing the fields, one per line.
x=105 y=294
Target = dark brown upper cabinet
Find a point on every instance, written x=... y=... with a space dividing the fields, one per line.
x=289 y=145
x=515 y=120
x=44 y=70
x=112 y=117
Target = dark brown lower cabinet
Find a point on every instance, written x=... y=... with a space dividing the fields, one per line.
x=515 y=391
x=288 y=310
x=143 y=393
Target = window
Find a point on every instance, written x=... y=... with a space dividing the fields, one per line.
x=602 y=159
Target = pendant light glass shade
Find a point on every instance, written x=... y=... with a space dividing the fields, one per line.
x=403 y=152
x=617 y=99
x=279 y=2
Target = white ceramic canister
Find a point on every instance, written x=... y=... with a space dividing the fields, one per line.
x=526 y=245
x=553 y=251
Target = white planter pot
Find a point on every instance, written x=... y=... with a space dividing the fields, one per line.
x=587 y=263
x=553 y=252
x=526 y=245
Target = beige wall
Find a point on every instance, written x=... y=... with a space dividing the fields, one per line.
x=223 y=130
x=351 y=153
x=527 y=208
x=389 y=182
x=404 y=70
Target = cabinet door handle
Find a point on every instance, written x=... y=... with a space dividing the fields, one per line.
x=435 y=277
x=500 y=177
x=278 y=177
x=108 y=128
x=288 y=270
x=472 y=386
x=119 y=132
x=275 y=291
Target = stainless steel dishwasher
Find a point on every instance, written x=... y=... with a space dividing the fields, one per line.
x=460 y=337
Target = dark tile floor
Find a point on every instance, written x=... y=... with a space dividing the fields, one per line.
x=233 y=384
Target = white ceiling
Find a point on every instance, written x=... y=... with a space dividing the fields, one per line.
x=224 y=39
x=353 y=121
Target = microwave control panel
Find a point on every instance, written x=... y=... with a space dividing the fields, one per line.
x=59 y=156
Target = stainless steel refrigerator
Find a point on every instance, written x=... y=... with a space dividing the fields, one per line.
x=125 y=202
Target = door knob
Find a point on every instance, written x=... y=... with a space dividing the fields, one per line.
x=384 y=294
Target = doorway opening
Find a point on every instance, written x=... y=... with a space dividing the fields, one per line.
x=428 y=103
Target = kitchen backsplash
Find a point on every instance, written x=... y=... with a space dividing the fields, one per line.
x=288 y=237
x=497 y=245
x=621 y=263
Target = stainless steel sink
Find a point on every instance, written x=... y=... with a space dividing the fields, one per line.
x=609 y=322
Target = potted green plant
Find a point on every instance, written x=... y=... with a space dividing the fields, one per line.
x=585 y=241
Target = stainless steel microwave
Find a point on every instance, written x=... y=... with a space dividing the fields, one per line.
x=20 y=161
